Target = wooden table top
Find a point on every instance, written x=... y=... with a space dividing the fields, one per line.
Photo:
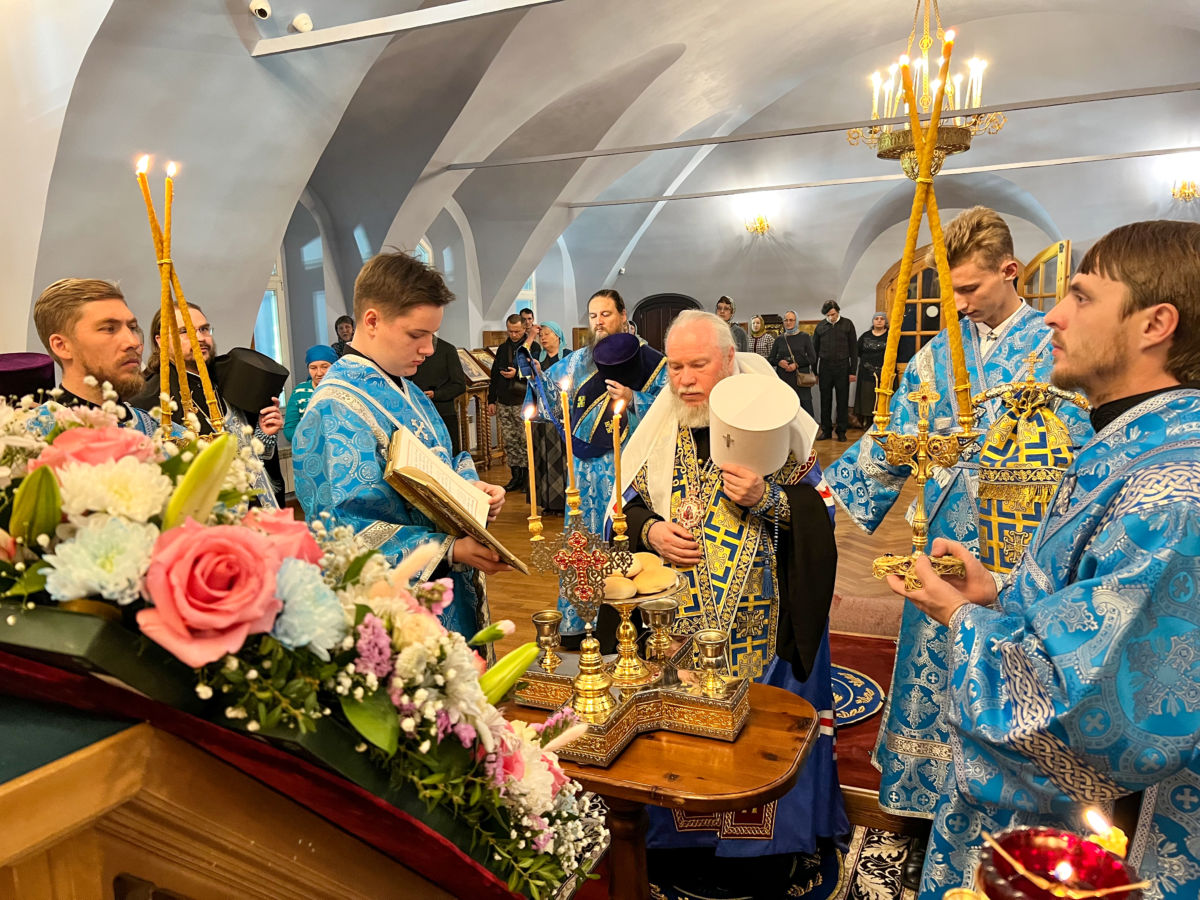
x=695 y=774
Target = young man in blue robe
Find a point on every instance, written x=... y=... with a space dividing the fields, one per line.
x=759 y=559
x=1000 y=332
x=591 y=396
x=341 y=444
x=1079 y=683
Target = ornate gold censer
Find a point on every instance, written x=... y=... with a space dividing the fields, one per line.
x=923 y=450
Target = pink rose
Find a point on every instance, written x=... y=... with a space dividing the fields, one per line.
x=211 y=588
x=93 y=446
x=290 y=536
x=8 y=547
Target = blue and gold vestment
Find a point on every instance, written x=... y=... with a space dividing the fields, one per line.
x=736 y=589
x=340 y=452
x=913 y=749
x=1082 y=683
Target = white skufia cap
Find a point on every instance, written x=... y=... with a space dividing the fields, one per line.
x=749 y=419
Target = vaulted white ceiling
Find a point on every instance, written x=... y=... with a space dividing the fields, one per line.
x=367 y=131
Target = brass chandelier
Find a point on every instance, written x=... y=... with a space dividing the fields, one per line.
x=887 y=101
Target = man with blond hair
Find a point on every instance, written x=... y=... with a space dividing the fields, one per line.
x=1076 y=685
x=95 y=338
x=1000 y=332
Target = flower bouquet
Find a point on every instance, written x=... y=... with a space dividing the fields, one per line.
x=288 y=632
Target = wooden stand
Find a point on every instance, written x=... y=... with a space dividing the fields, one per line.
x=158 y=814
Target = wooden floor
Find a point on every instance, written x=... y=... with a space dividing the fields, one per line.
x=517 y=597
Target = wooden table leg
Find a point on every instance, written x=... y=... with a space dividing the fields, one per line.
x=628 y=878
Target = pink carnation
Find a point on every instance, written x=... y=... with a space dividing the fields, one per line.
x=211 y=588
x=93 y=446
x=557 y=776
x=290 y=536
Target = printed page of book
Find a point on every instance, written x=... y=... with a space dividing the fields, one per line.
x=411 y=452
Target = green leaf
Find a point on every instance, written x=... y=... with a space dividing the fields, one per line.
x=37 y=506
x=32 y=580
x=354 y=570
x=196 y=493
x=360 y=613
x=375 y=719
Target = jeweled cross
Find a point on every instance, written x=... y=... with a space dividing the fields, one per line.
x=925 y=397
x=577 y=562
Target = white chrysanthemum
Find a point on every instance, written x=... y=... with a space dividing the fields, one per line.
x=127 y=488
x=108 y=557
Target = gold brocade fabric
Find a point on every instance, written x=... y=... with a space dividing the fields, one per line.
x=1024 y=455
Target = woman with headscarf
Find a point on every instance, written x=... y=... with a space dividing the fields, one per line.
x=318 y=359
x=793 y=356
x=549 y=453
x=761 y=341
x=871 y=345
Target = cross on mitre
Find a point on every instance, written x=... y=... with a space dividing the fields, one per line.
x=728 y=440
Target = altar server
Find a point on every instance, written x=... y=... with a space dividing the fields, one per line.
x=1000 y=332
x=1080 y=682
x=341 y=444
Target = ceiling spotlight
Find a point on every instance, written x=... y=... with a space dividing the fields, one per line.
x=302 y=23
x=260 y=8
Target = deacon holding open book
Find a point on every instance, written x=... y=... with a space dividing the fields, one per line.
x=344 y=444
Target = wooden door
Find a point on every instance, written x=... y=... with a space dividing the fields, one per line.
x=654 y=314
x=1044 y=281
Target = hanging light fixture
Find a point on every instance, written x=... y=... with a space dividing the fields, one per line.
x=758 y=225
x=961 y=124
x=1184 y=190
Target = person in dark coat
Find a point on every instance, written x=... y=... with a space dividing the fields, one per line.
x=792 y=354
x=836 y=343
x=442 y=379
x=871 y=346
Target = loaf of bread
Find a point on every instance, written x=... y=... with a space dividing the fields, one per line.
x=654 y=580
x=647 y=561
x=635 y=567
x=617 y=587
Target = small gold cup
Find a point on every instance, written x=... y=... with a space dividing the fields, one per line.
x=546 y=622
x=711 y=643
x=661 y=616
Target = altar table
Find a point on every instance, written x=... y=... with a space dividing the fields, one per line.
x=694 y=774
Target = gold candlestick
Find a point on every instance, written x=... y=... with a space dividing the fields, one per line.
x=629 y=670
x=566 y=414
x=619 y=525
x=592 y=697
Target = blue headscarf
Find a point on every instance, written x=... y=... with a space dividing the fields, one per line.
x=320 y=353
x=562 y=340
x=796 y=316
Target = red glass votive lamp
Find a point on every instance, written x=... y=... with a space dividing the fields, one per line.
x=1065 y=860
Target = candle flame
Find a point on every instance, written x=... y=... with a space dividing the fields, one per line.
x=876 y=79
x=619 y=407
x=565 y=384
x=529 y=411
x=1064 y=871
x=143 y=165
x=1097 y=822
x=904 y=60
x=171 y=169
x=950 y=36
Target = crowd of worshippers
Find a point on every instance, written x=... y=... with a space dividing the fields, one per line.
x=1057 y=674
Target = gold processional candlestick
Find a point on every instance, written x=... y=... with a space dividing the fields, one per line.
x=619 y=537
x=535 y=521
x=923 y=450
x=573 y=503
x=169 y=339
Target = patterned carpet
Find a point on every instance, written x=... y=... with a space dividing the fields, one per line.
x=868 y=869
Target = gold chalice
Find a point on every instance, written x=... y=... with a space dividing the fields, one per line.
x=546 y=622
x=711 y=643
x=660 y=615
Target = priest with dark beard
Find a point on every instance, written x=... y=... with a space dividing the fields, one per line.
x=759 y=558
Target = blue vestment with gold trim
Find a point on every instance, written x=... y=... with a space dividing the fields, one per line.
x=340 y=454
x=1082 y=683
x=913 y=750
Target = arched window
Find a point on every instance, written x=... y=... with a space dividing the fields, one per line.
x=527 y=296
x=424 y=251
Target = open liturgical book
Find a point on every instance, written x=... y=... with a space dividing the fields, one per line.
x=452 y=503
